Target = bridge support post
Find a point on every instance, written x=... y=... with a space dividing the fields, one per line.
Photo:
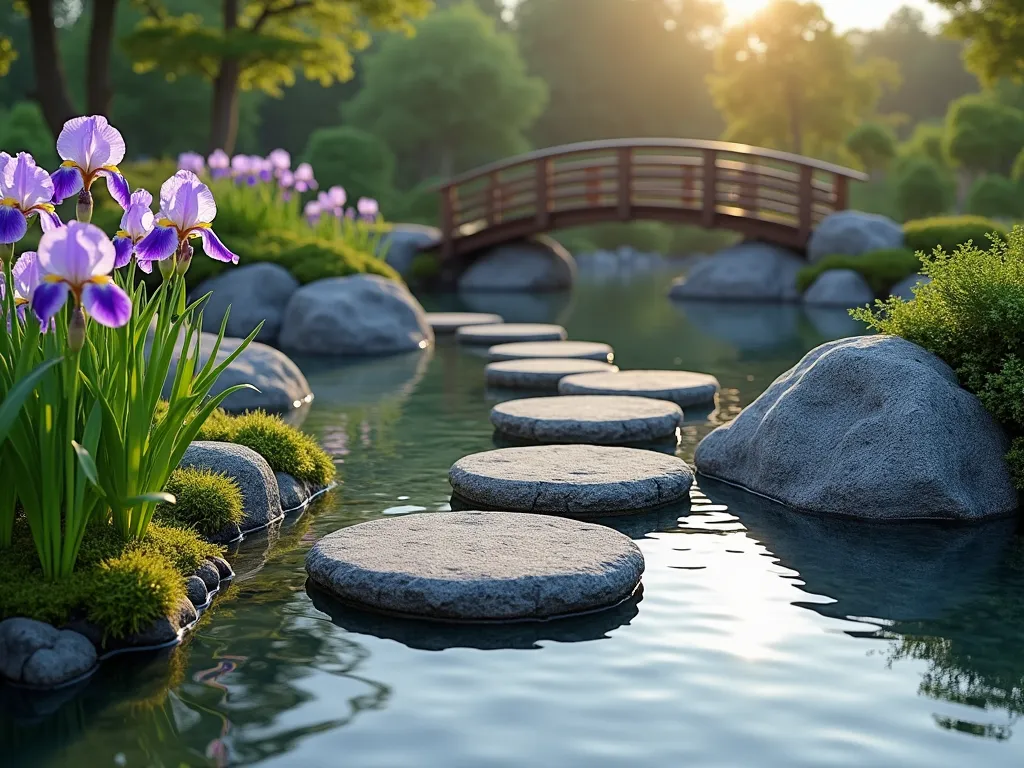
x=709 y=182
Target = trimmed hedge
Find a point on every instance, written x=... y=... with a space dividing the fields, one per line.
x=994 y=195
x=881 y=269
x=950 y=232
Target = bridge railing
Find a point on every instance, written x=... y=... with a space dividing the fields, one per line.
x=705 y=182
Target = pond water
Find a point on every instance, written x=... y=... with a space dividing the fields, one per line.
x=762 y=638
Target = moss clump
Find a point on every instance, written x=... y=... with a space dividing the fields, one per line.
x=207 y=502
x=120 y=585
x=950 y=232
x=881 y=269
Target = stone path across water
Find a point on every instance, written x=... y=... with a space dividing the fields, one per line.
x=584 y=481
x=593 y=419
x=477 y=566
x=576 y=350
x=450 y=322
x=681 y=387
x=541 y=374
x=507 y=332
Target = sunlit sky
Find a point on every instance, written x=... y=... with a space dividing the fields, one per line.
x=845 y=14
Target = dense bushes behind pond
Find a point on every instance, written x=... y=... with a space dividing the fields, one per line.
x=971 y=315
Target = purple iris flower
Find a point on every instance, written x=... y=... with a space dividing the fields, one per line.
x=192 y=161
x=27 y=276
x=187 y=210
x=136 y=222
x=368 y=208
x=76 y=260
x=312 y=212
x=25 y=191
x=280 y=161
x=304 y=180
x=90 y=147
x=219 y=164
x=337 y=196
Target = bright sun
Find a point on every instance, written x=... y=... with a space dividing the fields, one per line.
x=740 y=10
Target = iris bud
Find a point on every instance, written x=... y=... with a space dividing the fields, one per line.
x=76 y=331
x=84 y=209
x=167 y=267
x=184 y=259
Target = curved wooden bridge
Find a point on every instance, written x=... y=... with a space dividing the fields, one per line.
x=765 y=195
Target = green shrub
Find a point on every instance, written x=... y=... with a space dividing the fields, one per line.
x=23 y=129
x=353 y=159
x=137 y=589
x=921 y=188
x=949 y=232
x=881 y=269
x=207 y=502
x=927 y=140
x=993 y=195
x=971 y=315
x=424 y=268
x=873 y=144
x=419 y=205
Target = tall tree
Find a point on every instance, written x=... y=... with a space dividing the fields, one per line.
x=994 y=30
x=453 y=95
x=259 y=44
x=786 y=79
x=620 y=68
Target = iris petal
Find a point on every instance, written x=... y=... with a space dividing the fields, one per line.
x=47 y=300
x=67 y=181
x=107 y=304
x=13 y=225
x=123 y=248
x=117 y=187
x=146 y=266
x=216 y=249
x=159 y=244
x=49 y=220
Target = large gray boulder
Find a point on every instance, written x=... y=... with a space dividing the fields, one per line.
x=280 y=385
x=37 y=654
x=905 y=288
x=404 y=242
x=744 y=272
x=872 y=427
x=254 y=293
x=853 y=233
x=261 y=498
x=477 y=566
x=356 y=315
x=844 y=288
x=539 y=264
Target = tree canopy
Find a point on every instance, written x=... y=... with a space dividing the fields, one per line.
x=453 y=95
x=786 y=79
x=994 y=30
x=873 y=144
x=983 y=135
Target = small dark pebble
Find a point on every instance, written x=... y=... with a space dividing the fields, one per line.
x=223 y=567
x=210 y=575
x=196 y=591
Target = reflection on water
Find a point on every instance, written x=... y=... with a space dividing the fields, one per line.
x=764 y=637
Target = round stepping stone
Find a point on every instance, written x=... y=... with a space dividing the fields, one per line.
x=566 y=350
x=594 y=419
x=681 y=387
x=477 y=566
x=450 y=322
x=539 y=374
x=506 y=332
x=573 y=480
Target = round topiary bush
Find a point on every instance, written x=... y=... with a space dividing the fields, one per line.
x=207 y=502
x=922 y=188
x=353 y=159
x=996 y=196
x=950 y=232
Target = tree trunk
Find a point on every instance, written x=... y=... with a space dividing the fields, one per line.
x=98 y=92
x=224 y=110
x=51 y=90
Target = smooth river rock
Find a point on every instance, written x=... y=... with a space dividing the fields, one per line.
x=255 y=293
x=477 y=566
x=36 y=654
x=355 y=315
x=536 y=265
x=403 y=243
x=581 y=350
x=584 y=481
x=509 y=332
x=539 y=374
x=683 y=388
x=261 y=498
x=450 y=322
x=744 y=272
x=845 y=288
x=853 y=233
x=872 y=427
x=596 y=419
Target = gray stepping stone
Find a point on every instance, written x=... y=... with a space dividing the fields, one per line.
x=477 y=566
x=595 y=419
x=539 y=374
x=506 y=332
x=573 y=480
x=574 y=350
x=681 y=387
x=450 y=322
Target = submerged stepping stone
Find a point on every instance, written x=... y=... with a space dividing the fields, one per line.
x=539 y=374
x=506 y=332
x=477 y=566
x=681 y=387
x=574 y=350
x=593 y=419
x=450 y=322
x=573 y=480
